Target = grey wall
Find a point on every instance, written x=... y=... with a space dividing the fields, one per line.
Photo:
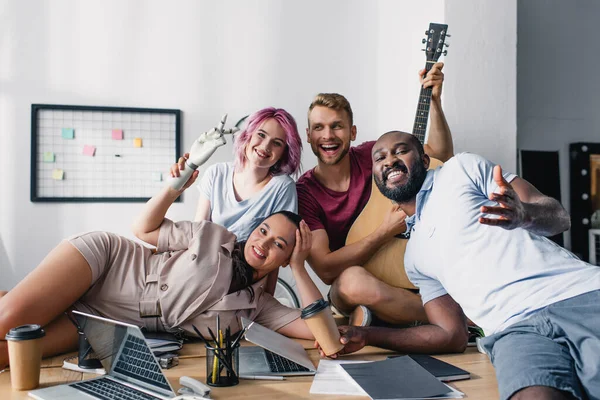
x=558 y=85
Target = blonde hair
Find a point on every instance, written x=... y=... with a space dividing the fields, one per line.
x=335 y=101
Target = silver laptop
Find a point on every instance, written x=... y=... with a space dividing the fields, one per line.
x=276 y=354
x=132 y=370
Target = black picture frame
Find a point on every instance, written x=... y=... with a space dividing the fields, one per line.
x=36 y=108
x=581 y=199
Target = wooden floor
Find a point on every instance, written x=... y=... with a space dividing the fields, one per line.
x=482 y=384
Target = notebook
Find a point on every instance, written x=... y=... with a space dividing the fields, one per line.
x=398 y=378
x=132 y=370
x=276 y=354
x=440 y=369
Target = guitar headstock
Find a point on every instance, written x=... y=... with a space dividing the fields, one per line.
x=435 y=41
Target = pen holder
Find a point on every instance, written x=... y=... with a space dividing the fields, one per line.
x=222 y=365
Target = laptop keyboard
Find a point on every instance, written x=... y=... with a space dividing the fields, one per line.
x=138 y=362
x=282 y=364
x=107 y=389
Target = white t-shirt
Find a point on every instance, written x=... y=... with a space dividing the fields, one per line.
x=241 y=217
x=498 y=277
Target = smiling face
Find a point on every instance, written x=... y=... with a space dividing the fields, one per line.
x=399 y=166
x=266 y=145
x=329 y=134
x=270 y=245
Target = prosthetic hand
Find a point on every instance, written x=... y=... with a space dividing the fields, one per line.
x=203 y=147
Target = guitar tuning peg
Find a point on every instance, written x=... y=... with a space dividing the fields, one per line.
x=447 y=44
x=448 y=36
x=426 y=32
x=422 y=49
x=445 y=52
x=423 y=40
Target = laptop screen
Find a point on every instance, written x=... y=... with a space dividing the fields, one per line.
x=123 y=351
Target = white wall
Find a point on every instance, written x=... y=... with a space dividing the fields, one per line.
x=481 y=90
x=207 y=58
x=558 y=87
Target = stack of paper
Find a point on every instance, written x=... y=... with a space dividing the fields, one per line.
x=162 y=342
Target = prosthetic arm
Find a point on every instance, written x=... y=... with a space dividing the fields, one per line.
x=202 y=148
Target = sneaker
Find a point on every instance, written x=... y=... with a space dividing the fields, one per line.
x=361 y=316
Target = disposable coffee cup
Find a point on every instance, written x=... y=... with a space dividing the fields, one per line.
x=25 y=356
x=320 y=321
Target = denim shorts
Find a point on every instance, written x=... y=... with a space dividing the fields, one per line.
x=559 y=347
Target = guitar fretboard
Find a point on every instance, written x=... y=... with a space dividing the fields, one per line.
x=422 y=114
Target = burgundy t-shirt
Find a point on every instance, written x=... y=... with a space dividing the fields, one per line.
x=323 y=208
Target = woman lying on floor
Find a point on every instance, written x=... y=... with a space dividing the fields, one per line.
x=198 y=270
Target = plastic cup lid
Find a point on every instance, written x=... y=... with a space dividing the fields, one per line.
x=313 y=308
x=25 y=332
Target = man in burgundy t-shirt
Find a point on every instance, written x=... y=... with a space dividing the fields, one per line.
x=333 y=194
x=323 y=208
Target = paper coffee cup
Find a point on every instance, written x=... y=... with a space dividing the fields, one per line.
x=25 y=356
x=320 y=321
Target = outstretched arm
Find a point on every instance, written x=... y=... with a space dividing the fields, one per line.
x=521 y=205
x=439 y=142
x=446 y=333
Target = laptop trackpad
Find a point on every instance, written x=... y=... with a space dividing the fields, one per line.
x=253 y=361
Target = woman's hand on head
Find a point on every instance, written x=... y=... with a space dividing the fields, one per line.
x=302 y=246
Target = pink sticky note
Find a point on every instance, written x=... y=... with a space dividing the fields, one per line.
x=89 y=150
x=117 y=134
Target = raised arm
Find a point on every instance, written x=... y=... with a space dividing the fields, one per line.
x=328 y=265
x=446 y=332
x=439 y=142
x=521 y=205
x=309 y=292
x=147 y=225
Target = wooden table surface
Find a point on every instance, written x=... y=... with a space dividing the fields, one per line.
x=482 y=384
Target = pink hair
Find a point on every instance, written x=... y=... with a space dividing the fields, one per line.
x=289 y=163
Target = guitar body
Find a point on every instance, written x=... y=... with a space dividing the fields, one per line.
x=387 y=264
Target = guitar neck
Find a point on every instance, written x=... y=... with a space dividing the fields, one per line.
x=423 y=106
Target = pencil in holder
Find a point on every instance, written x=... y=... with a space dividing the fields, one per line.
x=222 y=365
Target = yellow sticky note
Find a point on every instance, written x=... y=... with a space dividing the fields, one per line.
x=48 y=156
x=58 y=174
x=137 y=142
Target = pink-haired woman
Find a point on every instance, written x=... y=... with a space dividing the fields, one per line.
x=240 y=194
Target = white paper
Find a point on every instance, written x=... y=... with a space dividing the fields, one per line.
x=332 y=379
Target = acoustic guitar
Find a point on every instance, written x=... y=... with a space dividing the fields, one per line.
x=387 y=264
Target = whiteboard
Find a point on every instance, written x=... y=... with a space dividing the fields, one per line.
x=101 y=154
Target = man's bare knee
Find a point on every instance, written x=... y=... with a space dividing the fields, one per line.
x=357 y=286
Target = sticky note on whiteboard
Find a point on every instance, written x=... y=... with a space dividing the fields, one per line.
x=68 y=133
x=89 y=150
x=157 y=176
x=58 y=174
x=137 y=142
x=117 y=134
x=48 y=156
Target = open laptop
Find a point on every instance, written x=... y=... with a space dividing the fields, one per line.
x=132 y=370
x=275 y=354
